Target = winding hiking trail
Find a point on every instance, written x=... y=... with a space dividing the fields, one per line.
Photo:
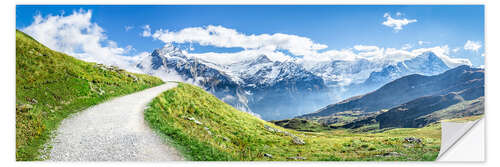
x=113 y=131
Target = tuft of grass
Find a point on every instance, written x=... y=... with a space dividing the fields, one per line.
x=204 y=128
x=51 y=85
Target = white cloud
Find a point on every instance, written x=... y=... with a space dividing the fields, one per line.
x=127 y=28
x=383 y=55
x=147 y=31
x=365 y=48
x=455 y=50
x=396 y=24
x=228 y=58
x=273 y=45
x=406 y=46
x=472 y=45
x=423 y=42
x=77 y=36
x=219 y=36
x=482 y=55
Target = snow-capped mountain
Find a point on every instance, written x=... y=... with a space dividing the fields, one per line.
x=271 y=89
x=283 y=89
x=345 y=72
x=425 y=64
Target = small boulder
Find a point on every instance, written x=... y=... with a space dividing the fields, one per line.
x=393 y=154
x=270 y=129
x=24 y=107
x=208 y=130
x=413 y=140
x=288 y=134
x=225 y=139
x=297 y=140
x=101 y=92
x=133 y=77
x=194 y=120
x=268 y=155
x=32 y=101
x=296 y=158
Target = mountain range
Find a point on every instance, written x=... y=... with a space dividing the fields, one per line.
x=277 y=90
x=416 y=100
x=259 y=86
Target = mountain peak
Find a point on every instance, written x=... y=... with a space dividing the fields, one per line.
x=262 y=59
x=431 y=57
x=168 y=50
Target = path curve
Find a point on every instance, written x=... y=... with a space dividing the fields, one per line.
x=114 y=130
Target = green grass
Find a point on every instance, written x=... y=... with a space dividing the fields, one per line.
x=461 y=112
x=57 y=85
x=236 y=135
x=301 y=125
x=464 y=119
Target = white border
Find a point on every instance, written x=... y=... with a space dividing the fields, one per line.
x=8 y=82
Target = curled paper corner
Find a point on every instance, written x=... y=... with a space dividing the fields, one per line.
x=453 y=132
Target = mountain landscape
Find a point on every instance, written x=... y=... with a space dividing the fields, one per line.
x=259 y=86
x=195 y=121
x=251 y=83
x=411 y=101
x=276 y=90
x=425 y=64
x=414 y=95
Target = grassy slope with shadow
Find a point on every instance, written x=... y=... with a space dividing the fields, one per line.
x=51 y=85
x=204 y=128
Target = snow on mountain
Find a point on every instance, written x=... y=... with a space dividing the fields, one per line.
x=276 y=88
x=345 y=72
x=425 y=64
x=271 y=89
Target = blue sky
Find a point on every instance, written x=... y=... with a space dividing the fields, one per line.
x=337 y=27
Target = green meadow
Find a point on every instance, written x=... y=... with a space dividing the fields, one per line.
x=204 y=128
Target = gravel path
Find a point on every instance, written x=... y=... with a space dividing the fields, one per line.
x=113 y=131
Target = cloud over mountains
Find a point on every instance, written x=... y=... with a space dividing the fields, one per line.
x=472 y=45
x=219 y=36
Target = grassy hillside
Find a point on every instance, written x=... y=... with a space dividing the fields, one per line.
x=204 y=128
x=465 y=110
x=51 y=85
x=301 y=125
